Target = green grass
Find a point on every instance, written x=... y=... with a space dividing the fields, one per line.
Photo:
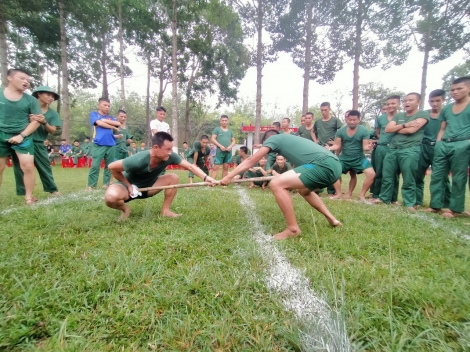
x=73 y=279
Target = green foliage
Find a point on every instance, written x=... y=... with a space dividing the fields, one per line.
x=454 y=73
x=289 y=32
x=372 y=97
x=383 y=33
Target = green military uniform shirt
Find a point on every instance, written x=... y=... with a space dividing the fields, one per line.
x=137 y=168
x=352 y=145
x=277 y=168
x=14 y=115
x=458 y=125
x=132 y=151
x=53 y=119
x=305 y=133
x=432 y=129
x=408 y=140
x=298 y=151
x=201 y=155
x=86 y=148
x=325 y=131
x=188 y=153
x=121 y=143
x=223 y=137
x=381 y=122
x=75 y=150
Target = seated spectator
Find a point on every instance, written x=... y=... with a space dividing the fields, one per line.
x=259 y=171
x=142 y=147
x=243 y=154
x=132 y=149
x=64 y=147
x=50 y=150
x=76 y=152
x=280 y=166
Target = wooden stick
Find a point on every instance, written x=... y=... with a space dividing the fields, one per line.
x=200 y=184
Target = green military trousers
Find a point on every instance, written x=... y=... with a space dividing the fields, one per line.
x=99 y=153
x=404 y=160
x=425 y=160
x=41 y=161
x=379 y=155
x=453 y=157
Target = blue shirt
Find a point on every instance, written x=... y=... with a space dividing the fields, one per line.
x=102 y=136
x=63 y=149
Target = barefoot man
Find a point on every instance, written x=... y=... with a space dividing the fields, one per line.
x=144 y=170
x=315 y=168
x=352 y=140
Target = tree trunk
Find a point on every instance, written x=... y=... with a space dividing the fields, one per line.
x=65 y=73
x=59 y=85
x=188 y=100
x=121 y=57
x=161 y=77
x=147 y=101
x=174 y=79
x=259 y=70
x=104 y=93
x=308 y=57
x=357 y=56
x=3 y=46
x=427 y=49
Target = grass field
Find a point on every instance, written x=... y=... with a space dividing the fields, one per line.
x=72 y=279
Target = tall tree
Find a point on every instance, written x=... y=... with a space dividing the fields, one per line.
x=65 y=72
x=214 y=59
x=174 y=74
x=442 y=29
x=255 y=14
x=370 y=32
x=300 y=29
x=3 y=45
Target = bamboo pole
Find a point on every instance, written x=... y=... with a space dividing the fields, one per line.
x=200 y=184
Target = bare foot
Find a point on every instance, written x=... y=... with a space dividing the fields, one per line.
x=251 y=186
x=431 y=210
x=57 y=194
x=377 y=201
x=105 y=187
x=30 y=201
x=125 y=214
x=169 y=214
x=89 y=189
x=412 y=209
x=335 y=223
x=372 y=199
x=338 y=196
x=286 y=234
x=395 y=203
x=448 y=214
x=347 y=196
x=364 y=199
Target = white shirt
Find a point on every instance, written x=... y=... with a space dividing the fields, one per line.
x=159 y=126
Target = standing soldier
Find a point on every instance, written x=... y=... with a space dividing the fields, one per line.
x=49 y=121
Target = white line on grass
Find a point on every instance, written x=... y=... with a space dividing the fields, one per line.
x=322 y=328
x=433 y=223
x=71 y=197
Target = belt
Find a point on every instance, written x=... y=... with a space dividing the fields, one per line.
x=429 y=143
x=455 y=139
x=384 y=144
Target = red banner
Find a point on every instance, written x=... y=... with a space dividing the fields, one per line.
x=251 y=128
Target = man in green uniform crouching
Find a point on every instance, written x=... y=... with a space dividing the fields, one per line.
x=404 y=151
x=144 y=170
x=452 y=151
x=315 y=168
x=49 y=121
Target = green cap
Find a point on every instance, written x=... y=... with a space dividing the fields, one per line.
x=45 y=89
